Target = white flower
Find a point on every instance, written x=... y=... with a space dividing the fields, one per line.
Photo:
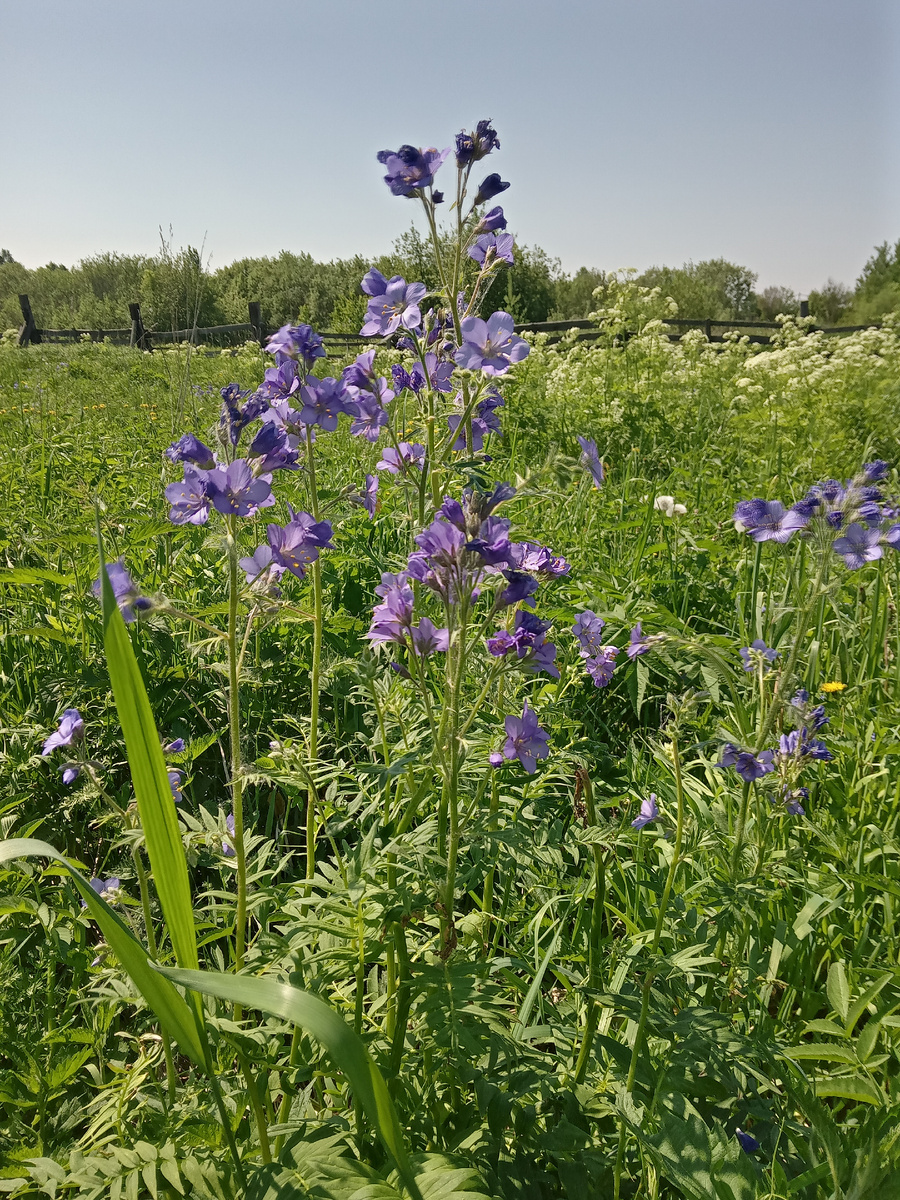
x=667 y=505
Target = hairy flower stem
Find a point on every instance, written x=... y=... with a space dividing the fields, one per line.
x=234 y=731
x=593 y=1013
x=449 y=811
x=314 y=676
x=151 y=946
x=487 y=902
x=647 y=985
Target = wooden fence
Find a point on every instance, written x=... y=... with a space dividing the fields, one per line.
x=141 y=338
x=254 y=329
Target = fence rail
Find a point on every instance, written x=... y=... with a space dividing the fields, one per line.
x=255 y=330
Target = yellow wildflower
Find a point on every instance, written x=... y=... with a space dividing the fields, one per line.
x=834 y=686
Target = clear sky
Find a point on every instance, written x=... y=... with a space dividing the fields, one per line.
x=634 y=132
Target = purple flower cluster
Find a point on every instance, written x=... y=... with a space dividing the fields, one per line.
x=528 y=642
x=291 y=547
x=599 y=659
x=854 y=508
x=409 y=170
x=796 y=749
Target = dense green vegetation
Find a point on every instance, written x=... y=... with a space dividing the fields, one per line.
x=176 y=290
x=603 y=994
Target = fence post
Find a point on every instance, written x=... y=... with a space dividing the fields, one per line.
x=804 y=309
x=139 y=335
x=708 y=329
x=259 y=330
x=29 y=331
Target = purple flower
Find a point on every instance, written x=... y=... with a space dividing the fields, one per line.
x=374 y=283
x=70 y=772
x=858 y=546
x=361 y=372
x=649 y=812
x=235 y=416
x=370 y=495
x=174 y=747
x=479 y=433
x=496 y=759
x=754 y=652
x=769 y=520
x=397 y=461
x=747 y=765
x=492 y=543
x=261 y=562
x=590 y=459
x=588 y=628
x=529 y=642
x=492 y=247
x=176 y=779
x=189 y=499
x=601 y=666
x=370 y=418
x=525 y=740
x=442 y=542
x=274 y=449
x=295 y=545
x=324 y=400
x=491 y=221
x=876 y=471
x=280 y=382
x=438 y=377
x=520 y=587
x=409 y=170
x=392 y=618
x=747 y=1143
x=491 y=186
x=234 y=491
x=398 y=305
x=490 y=346
x=427 y=639
x=190 y=449
x=108 y=888
x=473 y=147
x=227 y=847
x=297 y=342
x=402 y=378
x=71 y=729
x=126 y=593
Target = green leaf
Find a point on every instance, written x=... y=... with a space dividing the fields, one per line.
x=823 y=1051
x=859 y=1006
x=316 y=1018
x=156 y=806
x=837 y=989
x=30 y=576
x=850 y=1087
x=171 y=1010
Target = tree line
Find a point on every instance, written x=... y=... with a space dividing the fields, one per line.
x=176 y=289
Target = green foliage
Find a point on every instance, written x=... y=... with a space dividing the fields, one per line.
x=769 y=1001
x=715 y=288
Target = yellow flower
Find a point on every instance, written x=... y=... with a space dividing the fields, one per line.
x=835 y=686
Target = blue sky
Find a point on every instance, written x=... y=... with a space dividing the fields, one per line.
x=635 y=133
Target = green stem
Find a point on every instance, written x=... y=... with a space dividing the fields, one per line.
x=593 y=1014
x=234 y=728
x=654 y=948
x=314 y=676
x=150 y=933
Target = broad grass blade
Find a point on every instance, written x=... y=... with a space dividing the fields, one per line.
x=172 y=1011
x=156 y=806
x=316 y=1018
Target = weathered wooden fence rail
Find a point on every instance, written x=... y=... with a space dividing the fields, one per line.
x=255 y=330
x=142 y=338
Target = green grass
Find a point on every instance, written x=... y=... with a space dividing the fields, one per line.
x=764 y=982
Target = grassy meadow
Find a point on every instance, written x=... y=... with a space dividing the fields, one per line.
x=604 y=1006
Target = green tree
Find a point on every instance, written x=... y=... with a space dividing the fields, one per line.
x=715 y=288
x=830 y=303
